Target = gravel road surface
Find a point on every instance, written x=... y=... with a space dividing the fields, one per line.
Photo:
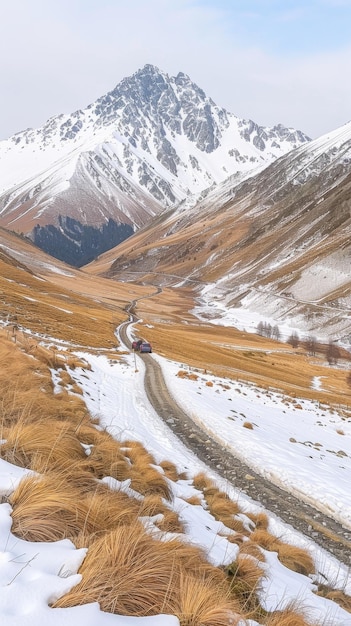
x=323 y=530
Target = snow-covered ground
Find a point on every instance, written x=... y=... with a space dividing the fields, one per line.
x=260 y=305
x=303 y=447
x=297 y=444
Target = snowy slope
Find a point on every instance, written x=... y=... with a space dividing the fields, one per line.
x=147 y=144
x=274 y=244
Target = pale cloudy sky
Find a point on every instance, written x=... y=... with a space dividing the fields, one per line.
x=274 y=61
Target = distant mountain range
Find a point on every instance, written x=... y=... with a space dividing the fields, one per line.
x=85 y=182
x=256 y=221
x=274 y=247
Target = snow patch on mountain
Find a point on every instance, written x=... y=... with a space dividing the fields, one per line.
x=161 y=132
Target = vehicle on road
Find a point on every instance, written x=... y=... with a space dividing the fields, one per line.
x=145 y=347
x=136 y=344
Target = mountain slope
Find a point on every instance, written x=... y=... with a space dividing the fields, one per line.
x=47 y=296
x=146 y=145
x=275 y=245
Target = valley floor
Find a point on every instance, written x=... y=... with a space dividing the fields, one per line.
x=224 y=411
x=300 y=444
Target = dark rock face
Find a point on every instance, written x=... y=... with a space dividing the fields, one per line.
x=78 y=244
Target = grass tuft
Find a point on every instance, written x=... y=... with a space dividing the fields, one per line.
x=288 y=617
x=130 y=573
x=170 y=470
x=41 y=445
x=292 y=557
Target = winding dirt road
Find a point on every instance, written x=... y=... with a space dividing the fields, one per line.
x=312 y=523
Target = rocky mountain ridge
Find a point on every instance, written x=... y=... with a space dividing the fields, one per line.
x=275 y=246
x=150 y=143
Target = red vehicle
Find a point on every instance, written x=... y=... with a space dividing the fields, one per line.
x=136 y=344
x=141 y=346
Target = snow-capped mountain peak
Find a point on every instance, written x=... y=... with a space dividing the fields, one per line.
x=146 y=145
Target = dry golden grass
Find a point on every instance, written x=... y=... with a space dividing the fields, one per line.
x=170 y=523
x=259 y=519
x=183 y=475
x=251 y=549
x=336 y=595
x=76 y=389
x=148 y=480
x=49 y=508
x=245 y=575
x=65 y=314
x=123 y=562
x=233 y=537
x=120 y=470
x=42 y=446
x=235 y=354
x=221 y=506
x=194 y=500
x=292 y=557
x=81 y=476
x=28 y=406
x=19 y=365
x=107 y=509
x=170 y=470
x=296 y=559
x=193 y=560
x=288 y=617
x=27 y=391
x=106 y=457
x=187 y=374
x=152 y=505
x=265 y=539
x=65 y=378
x=136 y=452
x=203 y=482
x=89 y=434
x=233 y=523
x=46 y=508
x=127 y=572
x=201 y=603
